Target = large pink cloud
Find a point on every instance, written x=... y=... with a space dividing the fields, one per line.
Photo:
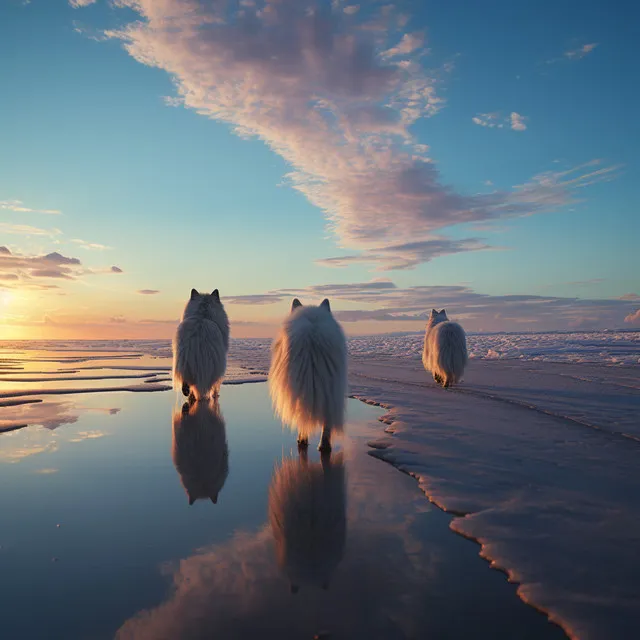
x=335 y=94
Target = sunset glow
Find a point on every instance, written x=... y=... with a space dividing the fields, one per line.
x=367 y=153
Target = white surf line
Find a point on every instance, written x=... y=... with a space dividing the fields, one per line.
x=496 y=398
x=16 y=403
x=59 y=378
x=55 y=392
x=611 y=383
x=547 y=412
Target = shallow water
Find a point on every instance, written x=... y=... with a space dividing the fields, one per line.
x=97 y=536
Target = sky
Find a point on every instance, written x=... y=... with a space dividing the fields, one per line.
x=478 y=157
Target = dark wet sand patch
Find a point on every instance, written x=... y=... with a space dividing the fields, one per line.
x=54 y=392
x=74 y=359
x=15 y=403
x=59 y=378
x=116 y=368
x=12 y=427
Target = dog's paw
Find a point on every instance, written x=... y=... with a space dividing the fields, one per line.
x=324 y=447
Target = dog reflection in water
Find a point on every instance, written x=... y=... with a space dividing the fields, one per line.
x=307 y=513
x=199 y=449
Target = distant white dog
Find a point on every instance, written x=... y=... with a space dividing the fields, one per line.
x=307 y=513
x=199 y=450
x=445 y=349
x=200 y=346
x=308 y=375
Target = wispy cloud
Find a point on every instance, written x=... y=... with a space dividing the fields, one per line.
x=489 y=120
x=90 y=245
x=19 y=207
x=577 y=53
x=407 y=255
x=409 y=43
x=27 y=230
x=495 y=120
x=384 y=302
x=76 y=4
x=580 y=52
x=518 y=121
x=148 y=292
x=335 y=95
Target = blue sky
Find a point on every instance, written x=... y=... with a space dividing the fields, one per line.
x=391 y=173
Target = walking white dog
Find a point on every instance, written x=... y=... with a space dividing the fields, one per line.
x=307 y=513
x=445 y=349
x=200 y=346
x=308 y=375
x=199 y=450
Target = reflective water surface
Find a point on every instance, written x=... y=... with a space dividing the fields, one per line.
x=128 y=517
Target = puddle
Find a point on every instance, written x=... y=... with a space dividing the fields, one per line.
x=97 y=537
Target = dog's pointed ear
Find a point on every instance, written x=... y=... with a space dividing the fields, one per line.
x=216 y=295
x=325 y=304
x=434 y=312
x=294 y=588
x=442 y=311
x=295 y=304
x=194 y=293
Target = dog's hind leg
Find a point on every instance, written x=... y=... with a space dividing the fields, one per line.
x=437 y=378
x=325 y=440
x=303 y=441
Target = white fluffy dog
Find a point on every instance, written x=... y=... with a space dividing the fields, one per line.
x=199 y=450
x=308 y=375
x=200 y=346
x=307 y=513
x=445 y=349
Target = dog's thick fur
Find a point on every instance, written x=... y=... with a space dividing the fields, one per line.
x=307 y=513
x=199 y=450
x=308 y=375
x=200 y=346
x=445 y=349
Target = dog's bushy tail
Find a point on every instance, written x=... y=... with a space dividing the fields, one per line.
x=445 y=352
x=308 y=375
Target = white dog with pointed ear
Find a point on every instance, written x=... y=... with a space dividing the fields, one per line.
x=445 y=349
x=307 y=513
x=199 y=450
x=308 y=375
x=200 y=346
